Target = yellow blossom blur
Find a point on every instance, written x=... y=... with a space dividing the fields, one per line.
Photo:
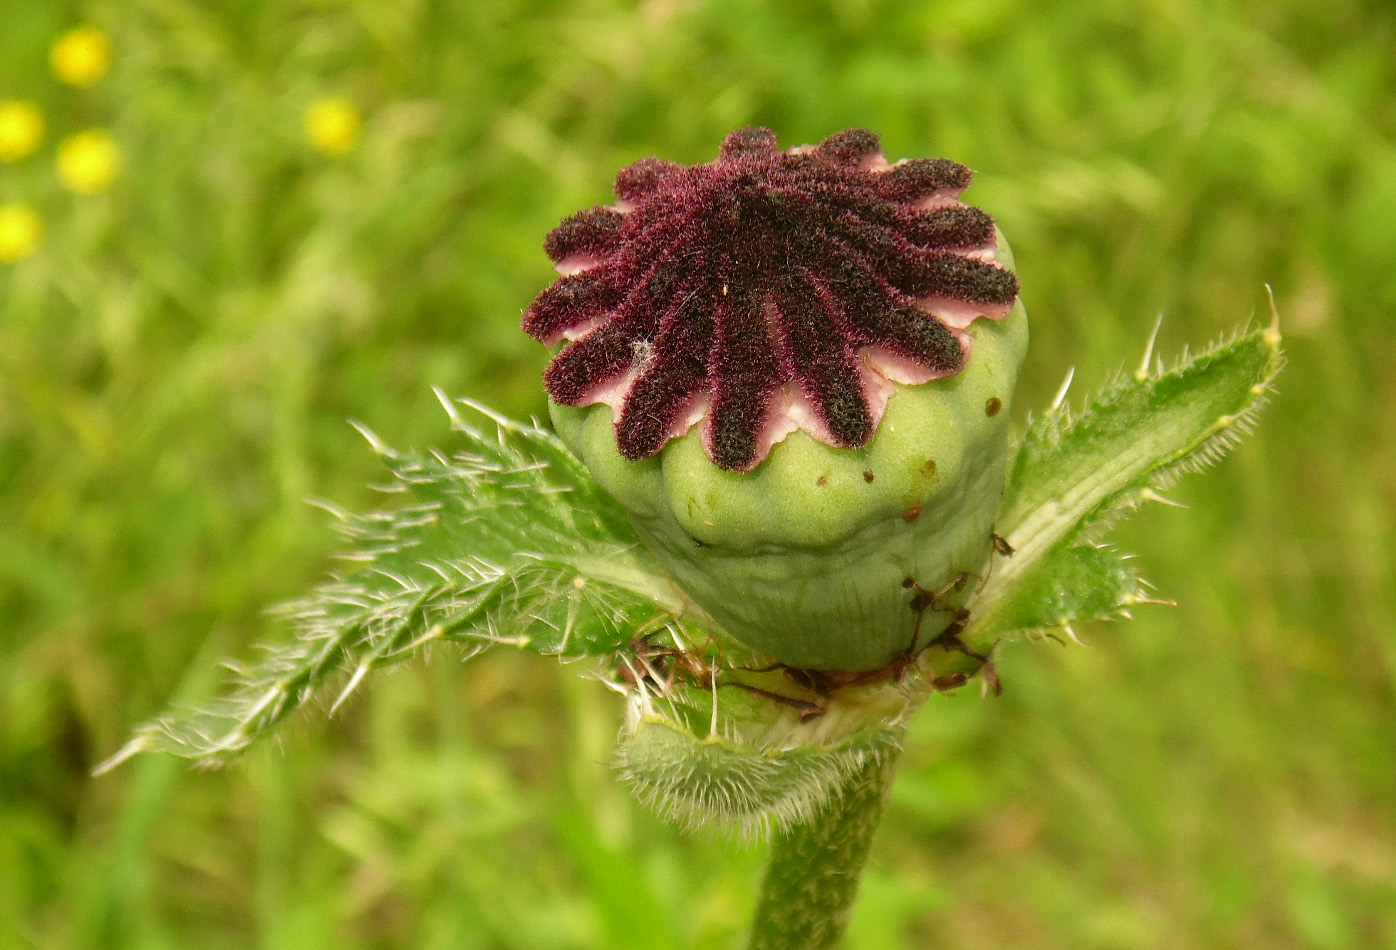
x=333 y=125
x=21 y=129
x=20 y=230
x=89 y=161
x=81 y=56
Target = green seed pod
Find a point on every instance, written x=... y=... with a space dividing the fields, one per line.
x=793 y=369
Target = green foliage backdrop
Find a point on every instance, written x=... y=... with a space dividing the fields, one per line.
x=179 y=356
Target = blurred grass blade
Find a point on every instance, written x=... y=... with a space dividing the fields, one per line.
x=1073 y=473
x=507 y=542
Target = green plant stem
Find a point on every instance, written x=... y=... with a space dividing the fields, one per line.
x=814 y=870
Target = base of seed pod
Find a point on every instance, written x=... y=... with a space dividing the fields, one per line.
x=736 y=749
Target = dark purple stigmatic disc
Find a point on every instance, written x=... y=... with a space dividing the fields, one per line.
x=766 y=291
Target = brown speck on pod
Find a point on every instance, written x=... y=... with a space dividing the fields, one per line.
x=822 y=480
x=1002 y=546
x=868 y=475
x=992 y=407
x=911 y=514
x=928 y=468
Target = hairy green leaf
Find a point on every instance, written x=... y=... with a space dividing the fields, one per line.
x=507 y=542
x=1071 y=583
x=1073 y=473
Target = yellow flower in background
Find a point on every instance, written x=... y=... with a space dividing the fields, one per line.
x=81 y=56
x=21 y=129
x=89 y=161
x=333 y=125
x=20 y=230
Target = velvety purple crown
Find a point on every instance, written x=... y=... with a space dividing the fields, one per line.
x=767 y=291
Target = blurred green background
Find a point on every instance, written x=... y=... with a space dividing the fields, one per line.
x=180 y=352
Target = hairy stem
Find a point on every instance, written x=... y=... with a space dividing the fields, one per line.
x=812 y=879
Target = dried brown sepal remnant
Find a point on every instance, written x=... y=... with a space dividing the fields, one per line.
x=766 y=291
x=656 y=668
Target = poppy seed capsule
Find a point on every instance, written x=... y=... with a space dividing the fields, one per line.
x=790 y=368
